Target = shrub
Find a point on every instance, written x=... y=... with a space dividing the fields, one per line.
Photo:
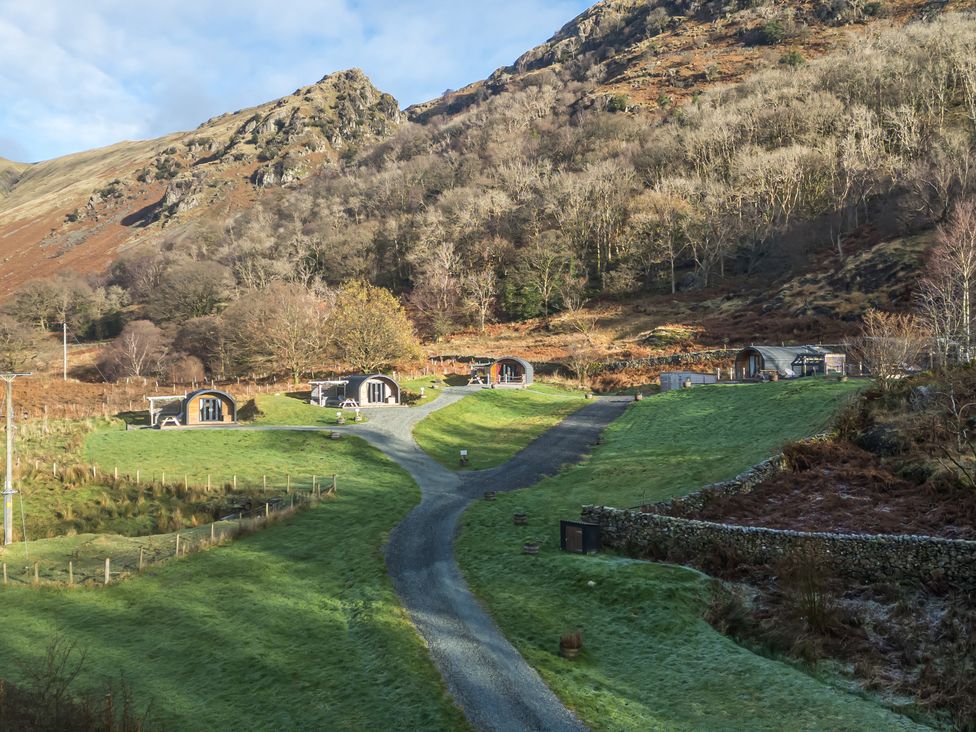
x=618 y=103
x=772 y=33
x=794 y=59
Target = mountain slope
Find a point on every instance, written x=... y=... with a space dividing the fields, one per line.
x=658 y=54
x=80 y=211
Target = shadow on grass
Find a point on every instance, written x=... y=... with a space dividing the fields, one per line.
x=134 y=419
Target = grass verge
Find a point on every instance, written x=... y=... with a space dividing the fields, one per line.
x=494 y=424
x=286 y=410
x=650 y=661
x=296 y=627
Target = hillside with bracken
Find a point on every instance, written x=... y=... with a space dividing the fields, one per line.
x=768 y=171
x=80 y=212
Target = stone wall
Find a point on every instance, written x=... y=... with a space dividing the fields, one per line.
x=742 y=483
x=675 y=359
x=862 y=557
x=649 y=531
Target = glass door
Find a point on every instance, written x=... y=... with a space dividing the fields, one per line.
x=211 y=410
x=376 y=392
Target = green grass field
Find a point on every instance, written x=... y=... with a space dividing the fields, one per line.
x=296 y=627
x=291 y=411
x=221 y=454
x=650 y=661
x=494 y=424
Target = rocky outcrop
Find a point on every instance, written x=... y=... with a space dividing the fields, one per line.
x=182 y=194
x=340 y=111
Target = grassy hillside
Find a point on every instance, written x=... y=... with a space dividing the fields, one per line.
x=494 y=424
x=221 y=454
x=296 y=627
x=650 y=660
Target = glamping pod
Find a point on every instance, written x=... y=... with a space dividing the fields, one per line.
x=362 y=390
x=788 y=362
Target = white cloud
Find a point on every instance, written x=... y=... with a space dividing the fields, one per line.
x=74 y=76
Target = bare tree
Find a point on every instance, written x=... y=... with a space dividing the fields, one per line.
x=283 y=327
x=583 y=362
x=18 y=345
x=545 y=264
x=437 y=291
x=140 y=350
x=480 y=290
x=191 y=290
x=889 y=344
x=948 y=290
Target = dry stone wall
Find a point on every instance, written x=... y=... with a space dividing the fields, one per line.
x=647 y=532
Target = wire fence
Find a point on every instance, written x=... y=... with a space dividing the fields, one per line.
x=99 y=561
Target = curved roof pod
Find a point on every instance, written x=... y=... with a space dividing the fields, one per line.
x=203 y=393
x=356 y=384
x=527 y=369
x=782 y=358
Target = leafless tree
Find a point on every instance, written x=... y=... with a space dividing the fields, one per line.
x=480 y=289
x=282 y=328
x=889 y=344
x=583 y=362
x=545 y=265
x=949 y=288
x=140 y=350
x=18 y=345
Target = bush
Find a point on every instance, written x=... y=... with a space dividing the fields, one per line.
x=772 y=33
x=794 y=59
x=618 y=103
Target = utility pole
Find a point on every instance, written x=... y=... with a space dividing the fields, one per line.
x=64 y=340
x=8 y=483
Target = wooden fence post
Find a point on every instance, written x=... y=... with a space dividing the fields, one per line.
x=213 y=530
x=267 y=510
x=264 y=479
x=71 y=572
x=177 y=545
x=235 y=482
x=108 y=569
x=208 y=482
x=37 y=573
x=141 y=558
x=138 y=477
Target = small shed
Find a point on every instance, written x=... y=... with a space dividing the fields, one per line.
x=578 y=537
x=361 y=390
x=204 y=407
x=511 y=371
x=790 y=362
x=674 y=380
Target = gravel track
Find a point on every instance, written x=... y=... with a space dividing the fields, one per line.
x=488 y=678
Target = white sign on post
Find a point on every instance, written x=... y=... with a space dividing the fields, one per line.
x=464 y=453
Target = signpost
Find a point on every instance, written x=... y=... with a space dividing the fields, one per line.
x=8 y=483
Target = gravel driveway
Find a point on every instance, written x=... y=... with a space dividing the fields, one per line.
x=488 y=678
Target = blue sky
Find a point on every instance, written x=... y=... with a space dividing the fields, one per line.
x=78 y=74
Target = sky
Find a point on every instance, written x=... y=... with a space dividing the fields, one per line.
x=79 y=74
